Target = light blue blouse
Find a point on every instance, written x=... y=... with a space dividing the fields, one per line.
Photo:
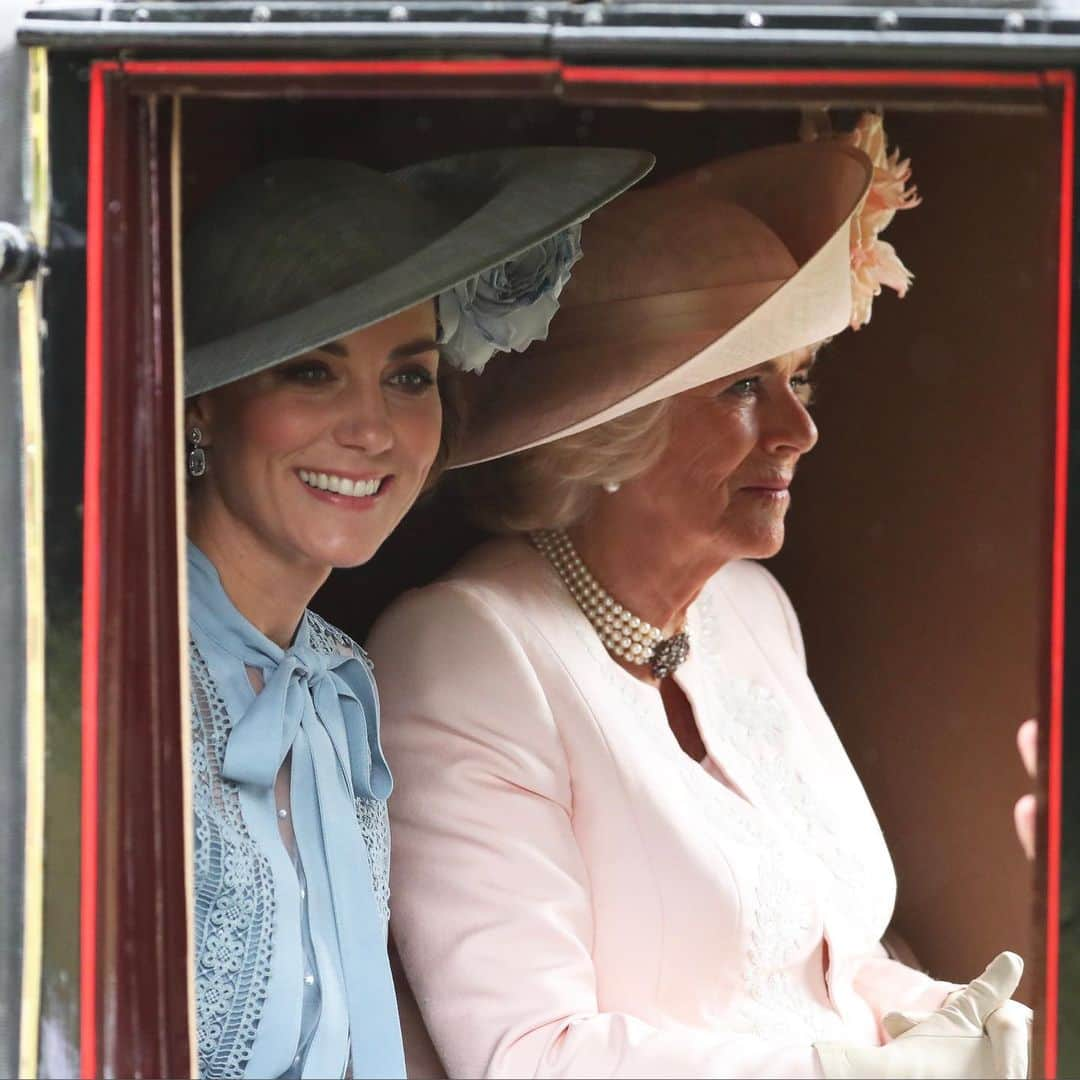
x=292 y=975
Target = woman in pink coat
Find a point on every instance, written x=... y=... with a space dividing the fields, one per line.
x=626 y=839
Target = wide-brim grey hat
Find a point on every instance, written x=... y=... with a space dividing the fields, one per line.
x=299 y=253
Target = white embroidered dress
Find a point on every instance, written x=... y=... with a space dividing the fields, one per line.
x=573 y=894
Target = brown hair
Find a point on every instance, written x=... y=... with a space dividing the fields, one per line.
x=452 y=418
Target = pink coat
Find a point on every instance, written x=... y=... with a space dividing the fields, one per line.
x=572 y=895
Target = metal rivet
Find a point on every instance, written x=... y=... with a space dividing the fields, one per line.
x=141 y=14
x=398 y=13
x=1015 y=22
x=753 y=20
x=538 y=14
x=261 y=13
x=594 y=15
x=888 y=20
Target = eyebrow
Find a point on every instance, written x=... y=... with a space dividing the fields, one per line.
x=414 y=348
x=410 y=348
x=774 y=364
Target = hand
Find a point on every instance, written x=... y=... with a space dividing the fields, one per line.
x=961 y=1039
x=1008 y=1028
x=1027 y=741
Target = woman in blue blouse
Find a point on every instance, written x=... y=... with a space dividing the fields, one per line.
x=320 y=298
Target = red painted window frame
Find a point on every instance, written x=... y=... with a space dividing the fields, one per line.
x=142 y=76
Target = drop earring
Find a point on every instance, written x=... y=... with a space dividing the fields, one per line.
x=196 y=457
x=611 y=486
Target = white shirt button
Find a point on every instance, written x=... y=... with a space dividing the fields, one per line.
x=309 y=979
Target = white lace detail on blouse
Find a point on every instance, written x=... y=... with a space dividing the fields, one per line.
x=371 y=814
x=374 y=819
x=790 y=840
x=234 y=886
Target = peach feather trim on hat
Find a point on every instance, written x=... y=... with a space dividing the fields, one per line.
x=874 y=262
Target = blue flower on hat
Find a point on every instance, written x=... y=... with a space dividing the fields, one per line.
x=509 y=306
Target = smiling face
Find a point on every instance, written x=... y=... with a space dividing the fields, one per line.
x=313 y=462
x=722 y=483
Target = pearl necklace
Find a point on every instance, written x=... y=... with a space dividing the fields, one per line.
x=623 y=633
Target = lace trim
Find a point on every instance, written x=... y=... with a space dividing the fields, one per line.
x=374 y=821
x=371 y=814
x=234 y=885
x=327 y=639
x=234 y=897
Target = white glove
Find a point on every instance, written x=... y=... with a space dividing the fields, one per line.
x=1008 y=1028
x=978 y=1034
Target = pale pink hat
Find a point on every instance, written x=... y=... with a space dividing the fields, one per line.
x=722 y=268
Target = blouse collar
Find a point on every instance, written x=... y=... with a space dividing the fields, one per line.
x=331 y=685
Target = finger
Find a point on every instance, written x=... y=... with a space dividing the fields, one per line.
x=896 y=1023
x=1027 y=742
x=990 y=990
x=1009 y=1032
x=1024 y=816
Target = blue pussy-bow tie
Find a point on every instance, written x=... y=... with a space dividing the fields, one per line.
x=302 y=688
x=321 y=707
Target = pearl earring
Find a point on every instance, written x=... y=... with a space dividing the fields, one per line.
x=612 y=486
x=196 y=458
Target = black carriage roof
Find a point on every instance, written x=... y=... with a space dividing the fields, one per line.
x=852 y=32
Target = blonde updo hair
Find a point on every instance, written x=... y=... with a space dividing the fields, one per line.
x=552 y=486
